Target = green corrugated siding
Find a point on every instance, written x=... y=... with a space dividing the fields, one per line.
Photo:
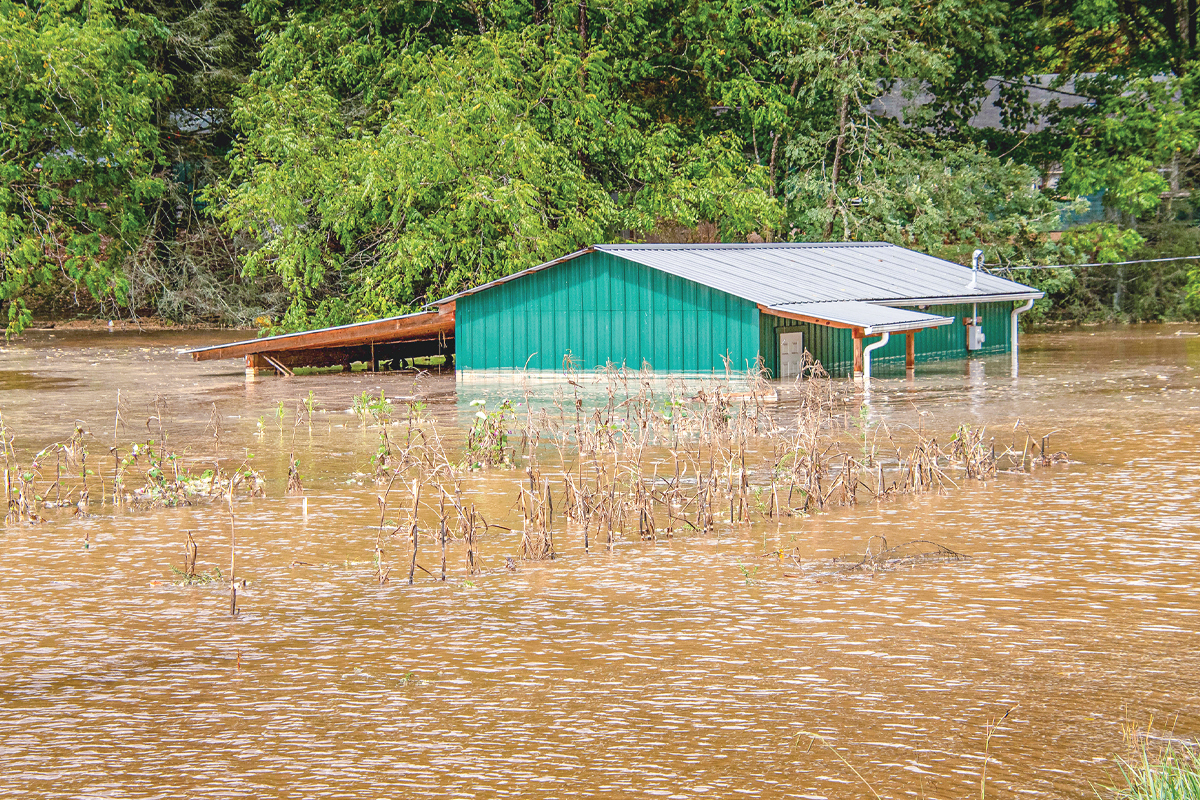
x=834 y=347
x=602 y=308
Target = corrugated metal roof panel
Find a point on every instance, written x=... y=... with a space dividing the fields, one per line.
x=868 y=316
x=772 y=274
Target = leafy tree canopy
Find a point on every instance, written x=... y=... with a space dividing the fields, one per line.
x=310 y=162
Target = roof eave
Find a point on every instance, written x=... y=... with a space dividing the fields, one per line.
x=905 y=327
x=513 y=276
x=898 y=302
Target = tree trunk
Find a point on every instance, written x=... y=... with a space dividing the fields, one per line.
x=775 y=142
x=1183 y=19
x=583 y=29
x=478 y=12
x=837 y=162
x=583 y=75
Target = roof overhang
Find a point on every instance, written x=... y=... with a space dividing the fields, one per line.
x=870 y=318
x=408 y=327
x=894 y=302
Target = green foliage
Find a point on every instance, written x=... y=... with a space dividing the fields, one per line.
x=1172 y=775
x=79 y=148
x=321 y=163
x=1133 y=292
x=1099 y=242
x=200 y=578
x=943 y=201
x=372 y=410
x=490 y=154
x=487 y=441
x=1134 y=141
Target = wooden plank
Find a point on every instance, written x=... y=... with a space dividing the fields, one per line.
x=775 y=312
x=910 y=350
x=280 y=368
x=423 y=326
x=858 y=351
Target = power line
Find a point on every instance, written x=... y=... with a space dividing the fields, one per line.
x=1099 y=264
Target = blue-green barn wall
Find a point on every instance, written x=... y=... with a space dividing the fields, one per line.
x=834 y=347
x=602 y=308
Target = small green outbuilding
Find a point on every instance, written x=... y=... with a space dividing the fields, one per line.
x=699 y=307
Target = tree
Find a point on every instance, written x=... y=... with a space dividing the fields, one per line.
x=77 y=148
x=1138 y=141
x=484 y=155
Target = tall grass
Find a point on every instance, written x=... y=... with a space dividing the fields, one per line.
x=1173 y=775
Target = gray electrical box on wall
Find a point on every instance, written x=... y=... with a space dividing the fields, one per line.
x=975 y=337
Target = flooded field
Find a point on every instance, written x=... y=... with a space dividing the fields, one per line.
x=705 y=663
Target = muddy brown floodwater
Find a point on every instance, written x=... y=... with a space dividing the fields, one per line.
x=693 y=667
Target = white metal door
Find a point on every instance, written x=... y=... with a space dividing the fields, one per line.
x=791 y=354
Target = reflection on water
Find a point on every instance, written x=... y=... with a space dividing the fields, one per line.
x=689 y=668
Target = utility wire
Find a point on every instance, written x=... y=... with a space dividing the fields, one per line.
x=1098 y=264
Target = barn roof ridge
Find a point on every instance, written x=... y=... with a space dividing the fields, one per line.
x=777 y=273
x=733 y=245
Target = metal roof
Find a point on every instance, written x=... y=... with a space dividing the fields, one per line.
x=776 y=274
x=868 y=316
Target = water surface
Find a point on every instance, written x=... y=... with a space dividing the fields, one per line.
x=691 y=667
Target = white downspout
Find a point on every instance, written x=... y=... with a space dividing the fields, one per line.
x=976 y=264
x=1016 y=312
x=867 y=357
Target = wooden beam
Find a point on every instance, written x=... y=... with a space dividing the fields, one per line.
x=280 y=368
x=802 y=318
x=423 y=326
x=858 y=351
x=910 y=351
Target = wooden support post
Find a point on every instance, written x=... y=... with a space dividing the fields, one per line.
x=257 y=365
x=858 y=352
x=910 y=351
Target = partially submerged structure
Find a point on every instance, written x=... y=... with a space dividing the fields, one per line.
x=694 y=308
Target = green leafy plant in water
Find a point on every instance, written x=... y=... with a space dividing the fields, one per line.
x=416 y=411
x=759 y=499
x=372 y=410
x=168 y=483
x=310 y=404
x=675 y=407
x=279 y=413
x=749 y=574
x=487 y=441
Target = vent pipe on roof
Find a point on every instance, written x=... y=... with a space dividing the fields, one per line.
x=976 y=265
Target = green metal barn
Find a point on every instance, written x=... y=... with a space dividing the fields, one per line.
x=688 y=308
